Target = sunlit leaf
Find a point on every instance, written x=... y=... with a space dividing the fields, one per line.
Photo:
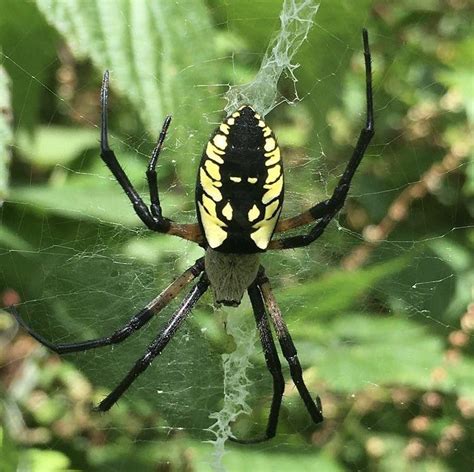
x=47 y=461
x=370 y=350
x=99 y=203
x=46 y=147
x=147 y=48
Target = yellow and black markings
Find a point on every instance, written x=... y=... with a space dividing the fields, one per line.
x=239 y=191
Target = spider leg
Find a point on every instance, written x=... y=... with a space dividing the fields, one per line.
x=152 y=219
x=151 y=171
x=272 y=361
x=157 y=346
x=289 y=351
x=135 y=323
x=326 y=210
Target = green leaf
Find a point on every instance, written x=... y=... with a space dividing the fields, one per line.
x=370 y=350
x=260 y=461
x=149 y=49
x=8 y=452
x=461 y=260
x=46 y=148
x=93 y=202
x=93 y=195
x=28 y=50
x=41 y=460
x=12 y=240
x=5 y=132
x=335 y=291
x=276 y=458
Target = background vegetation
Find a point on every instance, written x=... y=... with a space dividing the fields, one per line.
x=380 y=308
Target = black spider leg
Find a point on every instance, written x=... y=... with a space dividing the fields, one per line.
x=151 y=171
x=289 y=351
x=326 y=210
x=153 y=219
x=157 y=346
x=272 y=361
x=135 y=323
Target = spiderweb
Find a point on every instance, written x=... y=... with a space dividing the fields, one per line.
x=390 y=279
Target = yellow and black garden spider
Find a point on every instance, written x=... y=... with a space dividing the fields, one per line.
x=239 y=196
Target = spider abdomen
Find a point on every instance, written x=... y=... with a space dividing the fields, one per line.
x=239 y=192
x=230 y=275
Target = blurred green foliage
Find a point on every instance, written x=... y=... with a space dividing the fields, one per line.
x=380 y=307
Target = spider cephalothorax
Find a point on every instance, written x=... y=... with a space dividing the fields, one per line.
x=239 y=195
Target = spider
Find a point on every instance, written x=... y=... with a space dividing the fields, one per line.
x=239 y=196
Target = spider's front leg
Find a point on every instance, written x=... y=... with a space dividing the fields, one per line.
x=325 y=211
x=152 y=217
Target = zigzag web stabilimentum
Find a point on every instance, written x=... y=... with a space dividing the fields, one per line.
x=296 y=20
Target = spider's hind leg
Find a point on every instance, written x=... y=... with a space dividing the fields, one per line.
x=134 y=324
x=157 y=346
x=272 y=361
x=289 y=351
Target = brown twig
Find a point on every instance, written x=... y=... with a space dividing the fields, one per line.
x=374 y=235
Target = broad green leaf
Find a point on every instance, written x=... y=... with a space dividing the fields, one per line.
x=201 y=455
x=276 y=458
x=334 y=292
x=98 y=203
x=29 y=55
x=150 y=48
x=154 y=248
x=238 y=460
x=5 y=132
x=374 y=350
x=55 y=145
x=40 y=460
x=427 y=287
x=470 y=177
x=93 y=194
